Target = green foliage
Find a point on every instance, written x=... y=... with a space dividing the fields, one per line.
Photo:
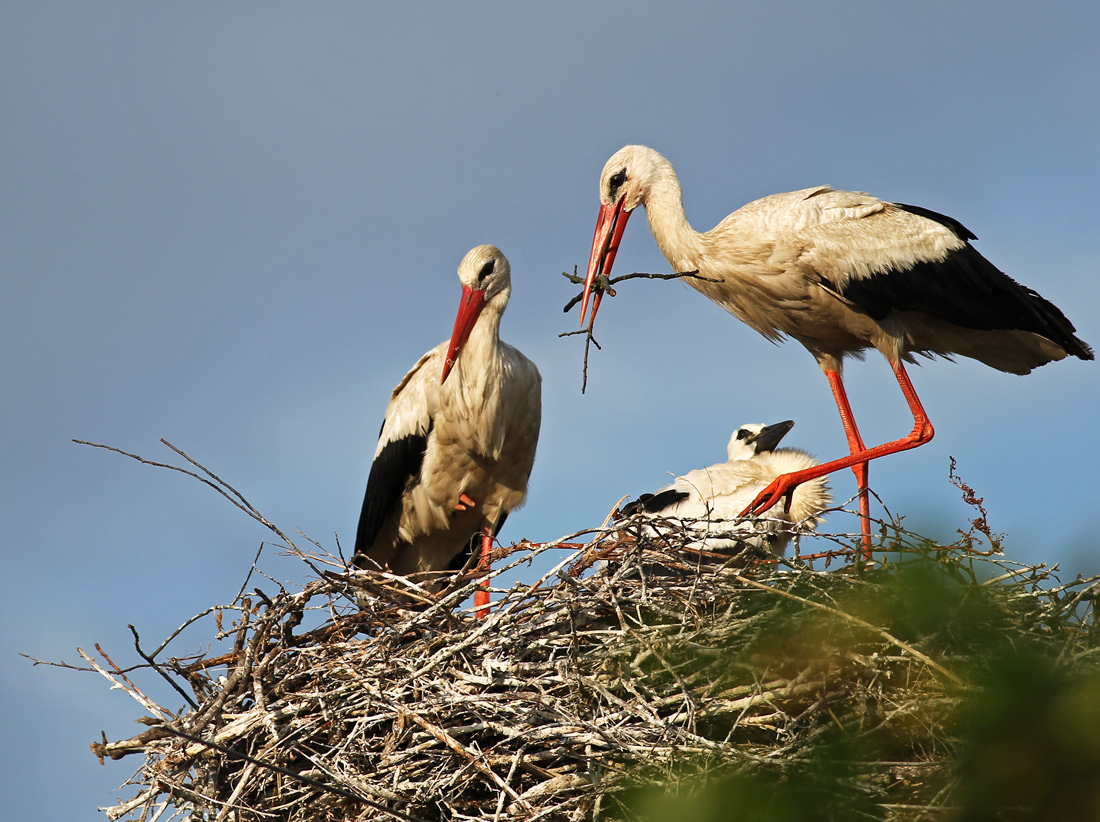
x=1030 y=739
x=938 y=687
x=823 y=788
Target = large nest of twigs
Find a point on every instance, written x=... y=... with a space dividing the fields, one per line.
x=634 y=674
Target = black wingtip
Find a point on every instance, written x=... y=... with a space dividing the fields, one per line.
x=960 y=231
x=396 y=463
x=654 y=503
x=967 y=290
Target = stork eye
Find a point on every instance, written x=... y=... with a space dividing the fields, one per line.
x=743 y=433
x=486 y=270
x=617 y=179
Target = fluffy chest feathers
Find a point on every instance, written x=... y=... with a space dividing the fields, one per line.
x=483 y=407
x=485 y=426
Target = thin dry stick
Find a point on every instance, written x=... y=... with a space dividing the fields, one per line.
x=223 y=488
x=125 y=685
x=602 y=284
x=152 y=664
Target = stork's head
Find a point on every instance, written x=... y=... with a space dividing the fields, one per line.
x=754 y=438
x=624 y=185
x=486 y=281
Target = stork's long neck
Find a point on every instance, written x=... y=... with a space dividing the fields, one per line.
x=664 y=207
x=477 y=377
x=481 y=353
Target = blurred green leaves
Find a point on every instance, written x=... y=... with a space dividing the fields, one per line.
x=1030 y=740
x=812 y=690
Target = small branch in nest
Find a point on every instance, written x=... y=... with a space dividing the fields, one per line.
x=603 y=285
x=125 y=685
x=215 y=482
x=164 y=674
x=302 y=778
x=980 y=523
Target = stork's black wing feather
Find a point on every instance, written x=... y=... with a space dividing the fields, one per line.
x=654 y=503
x=397 y=463
x=964 y=289
x=956 y=228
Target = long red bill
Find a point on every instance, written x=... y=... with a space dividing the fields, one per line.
x=469 y=309
x=610 y=225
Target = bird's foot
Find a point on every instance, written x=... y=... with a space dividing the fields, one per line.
x=781 y=489
x=464 y=502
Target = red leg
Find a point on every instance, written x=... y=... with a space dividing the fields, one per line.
x=481 y=595
x=922 y=432
x=855 y=446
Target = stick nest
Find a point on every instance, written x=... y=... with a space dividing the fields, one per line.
x=633 y=671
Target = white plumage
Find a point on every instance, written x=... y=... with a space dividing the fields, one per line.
x=458 y=441
x=709 y=501
x=841 y=272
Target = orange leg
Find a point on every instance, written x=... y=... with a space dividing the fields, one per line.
x=855 y=446
x=481 y=595
x=858 y=458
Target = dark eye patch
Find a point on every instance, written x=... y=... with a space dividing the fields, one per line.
x=743 y=433
x=486 y=270
x=616 y=181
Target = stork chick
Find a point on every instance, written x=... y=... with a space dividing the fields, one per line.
x=709 y=501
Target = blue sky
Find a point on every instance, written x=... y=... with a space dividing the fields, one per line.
x=236 y=226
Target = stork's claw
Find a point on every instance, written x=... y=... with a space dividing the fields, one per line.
x=781 y=488
x=464 y=502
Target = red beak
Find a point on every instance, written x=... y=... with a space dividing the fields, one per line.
x=605 y=244
x=469 y=309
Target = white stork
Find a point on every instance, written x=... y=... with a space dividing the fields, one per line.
x=458 y=441
x=840 y=272
x=710 y=500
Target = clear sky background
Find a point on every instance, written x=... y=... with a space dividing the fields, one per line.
x=236 y=226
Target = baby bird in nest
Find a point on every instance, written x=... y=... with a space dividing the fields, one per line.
x=708 y=501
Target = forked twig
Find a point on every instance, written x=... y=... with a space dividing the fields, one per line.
x=603 y=285
x=215 y=482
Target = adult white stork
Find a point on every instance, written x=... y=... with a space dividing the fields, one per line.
x=458 y=441
x=709 y=501
x=840 y=272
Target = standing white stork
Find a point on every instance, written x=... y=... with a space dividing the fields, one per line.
x=458 y=440
x=840 y=272
x=709 y=501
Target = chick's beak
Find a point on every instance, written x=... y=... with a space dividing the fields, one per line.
x=770 y=436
